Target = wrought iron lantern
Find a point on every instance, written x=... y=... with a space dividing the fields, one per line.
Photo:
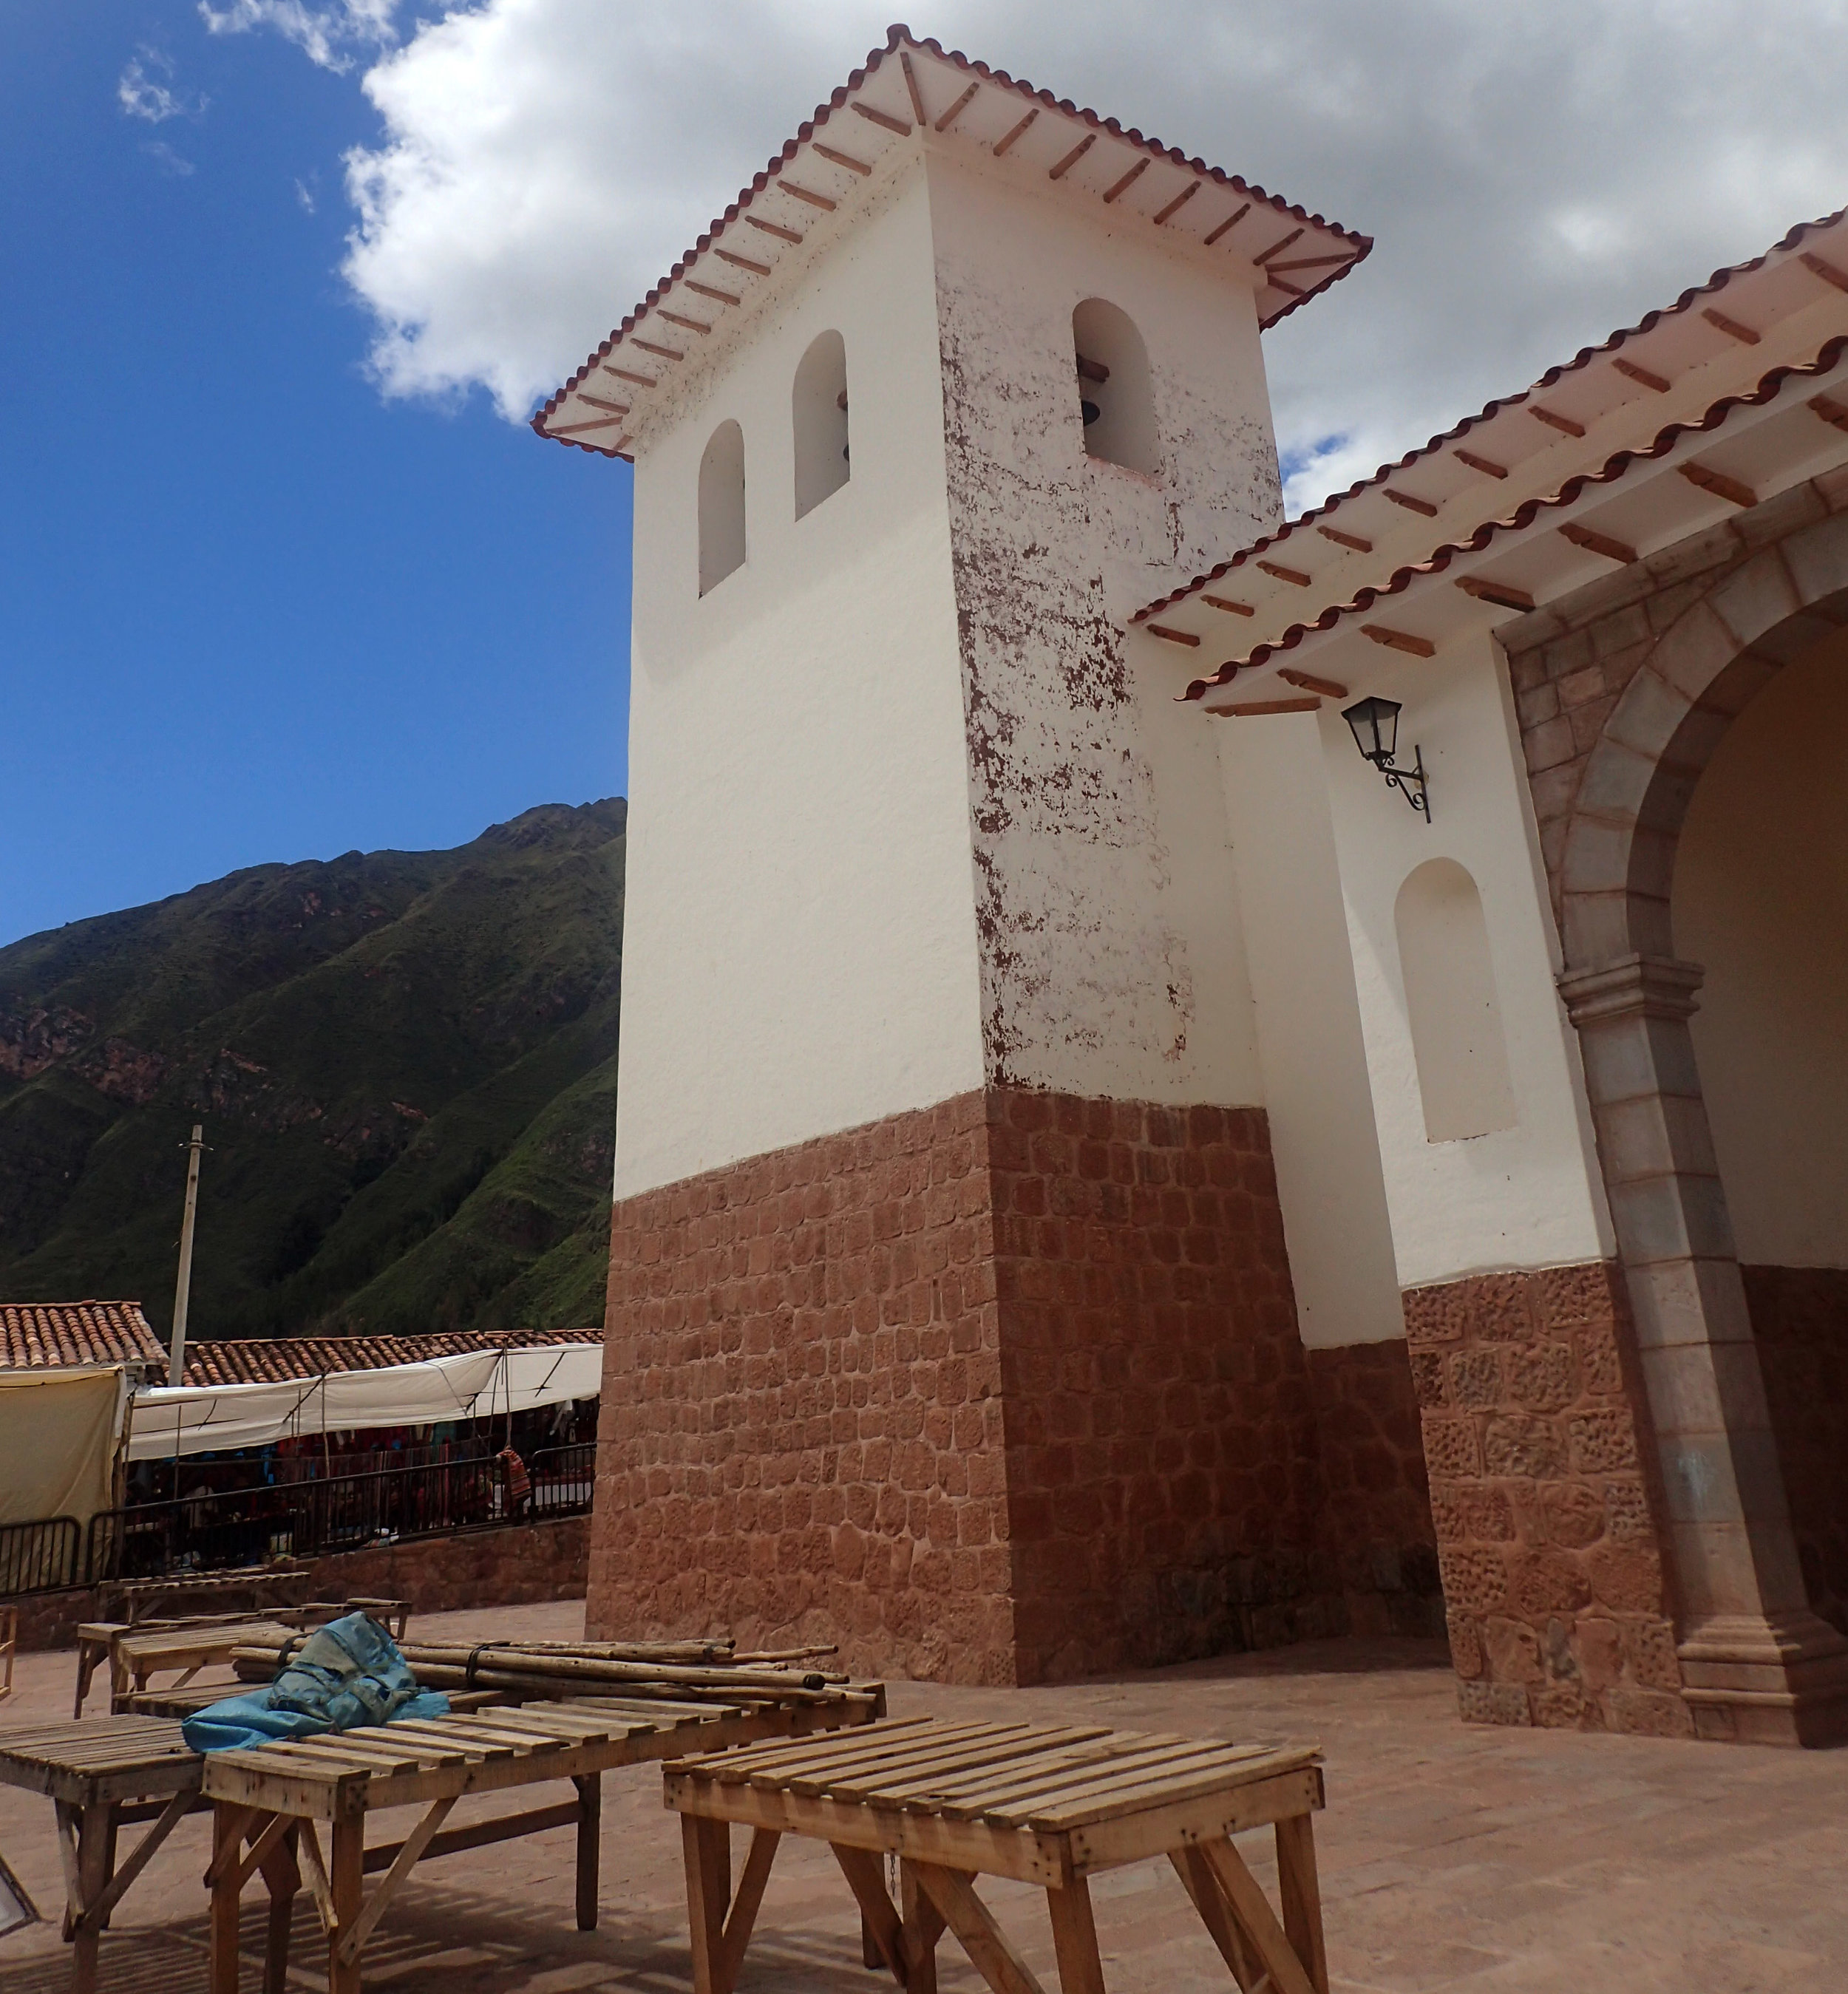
x=1375 y=726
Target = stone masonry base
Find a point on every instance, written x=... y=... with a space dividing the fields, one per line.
x=1006 y=1390
x=1548 y=1525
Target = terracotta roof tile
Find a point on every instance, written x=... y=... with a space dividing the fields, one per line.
x=1767 y=389
x=257 y=1360
x=40 y=1335
x=1695 y=296
x=1279 y=296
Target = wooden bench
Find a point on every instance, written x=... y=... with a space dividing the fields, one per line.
x=100 y=1642
x=1051 y=1807
x=101 y=1775
x=272 y=1797
x=249 y=1591
x=136 y=1655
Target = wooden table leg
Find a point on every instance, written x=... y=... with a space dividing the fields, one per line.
x=346 y=1879
x=1263 y=1937
x=86 y=1668
x=283 y=1873
x=1302 y=1894
x=92 y=1880
x=109 y=1836
x=923 y=1928
x=990 y=1950
x=590 y=1838
x=744 y=1901
x=701 y=1844
x=227 y=1841
x=1075 y=1939
x=1197 y=1877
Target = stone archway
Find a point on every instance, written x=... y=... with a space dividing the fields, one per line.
x=1625 y=692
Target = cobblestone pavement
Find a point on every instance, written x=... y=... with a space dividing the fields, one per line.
x=1486 y=1861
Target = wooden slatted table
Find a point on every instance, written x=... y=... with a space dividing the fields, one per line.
x=97 y=1640
x=136 y=1655
x=102 y=1775
x=272 y=1798
x=1051 y=1807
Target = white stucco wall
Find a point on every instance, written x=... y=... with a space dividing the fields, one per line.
x=800 y=938
x=1312 y=1055
x=1527 y=1196
x=1760 y=899
x=1110 y=963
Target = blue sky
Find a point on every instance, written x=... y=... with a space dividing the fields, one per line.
x=249 y=609
x=280 y=572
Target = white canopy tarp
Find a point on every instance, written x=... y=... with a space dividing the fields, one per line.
x=203 y=1419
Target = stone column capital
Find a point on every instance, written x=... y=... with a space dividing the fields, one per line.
x=1631 y=986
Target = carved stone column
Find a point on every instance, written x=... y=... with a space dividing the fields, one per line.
x=1757 y=1663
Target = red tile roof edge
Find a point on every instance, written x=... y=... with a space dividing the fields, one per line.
x=61 y=1335
x=265 y=1360
x=1770 y=386
x=899 y=37
x=1718 y=282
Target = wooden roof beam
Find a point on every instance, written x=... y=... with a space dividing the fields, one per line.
x=956 y=109
x=1251 y=707
x=1595 y=543
x=1399 y=640
x=1719 y=485
x=1504 y=594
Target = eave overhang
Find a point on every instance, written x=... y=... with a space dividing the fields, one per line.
x=1653 y=398
x=910 y=93
x=1790 y=426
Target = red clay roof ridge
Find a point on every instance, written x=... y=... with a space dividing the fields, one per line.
x=1770 y=386
x=899 y=37
x=1719 y=279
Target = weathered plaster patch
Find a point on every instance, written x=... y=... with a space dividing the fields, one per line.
x=1087 y=975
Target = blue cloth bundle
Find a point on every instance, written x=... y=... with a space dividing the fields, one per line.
x=345 y=1674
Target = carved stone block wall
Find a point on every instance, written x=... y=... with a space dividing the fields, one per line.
x=1548 y=1528
x=1377 y=1526
x=1004 y=1390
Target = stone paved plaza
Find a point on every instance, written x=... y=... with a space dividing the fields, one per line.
x=1482 y=1861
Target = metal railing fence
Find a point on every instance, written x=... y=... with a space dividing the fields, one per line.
x=35 y=1556
x=241 y=1527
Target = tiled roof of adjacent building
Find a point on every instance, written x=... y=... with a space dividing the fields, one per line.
x=263 y=1360
x=39 y=1335
x=1661 y=432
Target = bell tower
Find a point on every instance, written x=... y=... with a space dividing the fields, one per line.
x=950 y=1316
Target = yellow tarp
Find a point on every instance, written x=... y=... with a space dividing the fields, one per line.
x=59 y=1432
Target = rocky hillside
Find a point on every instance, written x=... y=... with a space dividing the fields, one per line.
x=405 y=1062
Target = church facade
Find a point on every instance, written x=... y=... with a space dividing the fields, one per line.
x=1191 y=1079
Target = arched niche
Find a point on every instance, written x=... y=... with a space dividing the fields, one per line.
x=1451 y=1004
x=1116 y=397
x=818 y=408
x=720 y=506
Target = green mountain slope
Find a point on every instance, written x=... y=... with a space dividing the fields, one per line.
x=405 y=1065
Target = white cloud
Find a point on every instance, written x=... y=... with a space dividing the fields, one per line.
x=168 y=160
x=324 y=34
x=142 y=95
x=1533 y=176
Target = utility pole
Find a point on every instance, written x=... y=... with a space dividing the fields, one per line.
x=182 y=1290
